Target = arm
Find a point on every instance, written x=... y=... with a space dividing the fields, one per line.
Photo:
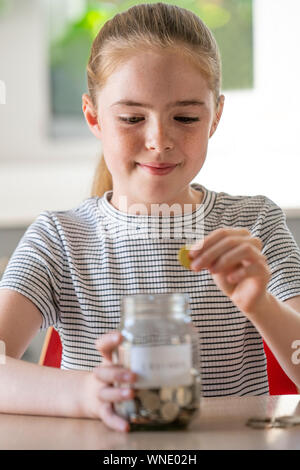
x=37 y=390
x=234 y=259
x=28 y=388
x=25 y=387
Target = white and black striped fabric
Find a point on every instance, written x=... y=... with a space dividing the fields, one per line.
x=76 y=265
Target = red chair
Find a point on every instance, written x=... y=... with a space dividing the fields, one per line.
x=51 y=350
x=279 y=382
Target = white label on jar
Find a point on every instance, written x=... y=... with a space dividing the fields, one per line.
x=158 y=366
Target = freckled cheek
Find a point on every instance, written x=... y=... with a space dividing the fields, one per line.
x=132 y=149
x=124 y=151
x=190 y=146
x=193 y=149
x=126 y=139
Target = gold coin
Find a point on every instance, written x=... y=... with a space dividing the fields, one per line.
x=183 y=257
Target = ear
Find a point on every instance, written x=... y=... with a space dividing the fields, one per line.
x=218 y=115
x=90 y=115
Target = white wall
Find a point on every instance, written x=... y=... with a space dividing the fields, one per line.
x=36 y=173
x=255 y=150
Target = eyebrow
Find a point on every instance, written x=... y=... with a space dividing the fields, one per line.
x=193 y=102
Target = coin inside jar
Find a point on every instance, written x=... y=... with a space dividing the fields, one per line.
x=183 y=396
x=131 y=407
x=160 y=408
x=149 y=400
x=166 y=394
x=169 y=411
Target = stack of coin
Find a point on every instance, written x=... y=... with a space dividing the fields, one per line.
x=272 y=422
x=165 y=407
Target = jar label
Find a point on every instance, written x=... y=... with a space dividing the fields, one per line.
x=158 y=366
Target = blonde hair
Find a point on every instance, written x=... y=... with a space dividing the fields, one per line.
x=157 y=26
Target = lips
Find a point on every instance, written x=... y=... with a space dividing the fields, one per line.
x=159 y=165
x=157 y=169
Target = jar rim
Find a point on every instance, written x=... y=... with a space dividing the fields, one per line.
x=158 y=296
x=173 y=299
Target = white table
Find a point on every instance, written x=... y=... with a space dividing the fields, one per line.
x=220 y=425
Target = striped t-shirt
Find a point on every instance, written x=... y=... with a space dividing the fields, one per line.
x=76 y=265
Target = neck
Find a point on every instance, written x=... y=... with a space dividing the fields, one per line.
x=184 y=203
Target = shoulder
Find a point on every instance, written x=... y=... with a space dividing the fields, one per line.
x=83 y=214
x=53 y=227
x=234 y=203
x=242 y=210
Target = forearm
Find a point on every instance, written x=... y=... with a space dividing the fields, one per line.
x=279 y=325
x=28 y=388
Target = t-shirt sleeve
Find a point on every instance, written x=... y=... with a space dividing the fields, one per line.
x=35 y=269
x=281 y=251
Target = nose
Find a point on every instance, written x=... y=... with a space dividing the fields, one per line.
x=158 y=138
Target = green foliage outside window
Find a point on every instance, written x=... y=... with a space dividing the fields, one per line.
x=229 y=20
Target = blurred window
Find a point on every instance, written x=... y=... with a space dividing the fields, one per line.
x=73 y=24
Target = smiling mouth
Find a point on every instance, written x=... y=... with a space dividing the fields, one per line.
x=157 y=170
x=158 y=165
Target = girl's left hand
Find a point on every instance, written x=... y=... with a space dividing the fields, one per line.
x=233 y=257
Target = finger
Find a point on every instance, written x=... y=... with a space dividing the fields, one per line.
x=112 y=420
x=218 y=251
x=107 y=343
x=243 y=252
x=211 y=255
x=215 y=237
x=239 y=274
x=107 y=362
x=258 y=269
x=257 y=242
x=112 y=374
x=114 y=394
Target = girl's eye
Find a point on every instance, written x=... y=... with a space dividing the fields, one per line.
x=131 y=120
x=135 y=120
x=187 y=119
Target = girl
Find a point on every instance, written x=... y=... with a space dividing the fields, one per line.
x=154 y=79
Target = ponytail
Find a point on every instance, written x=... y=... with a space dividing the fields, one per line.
x=102 y=181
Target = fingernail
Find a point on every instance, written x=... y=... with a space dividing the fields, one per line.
x=115 y=337
x=191 y=254
x=127 y=376
x=196 y=264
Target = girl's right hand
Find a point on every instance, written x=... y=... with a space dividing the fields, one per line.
x=99 y=392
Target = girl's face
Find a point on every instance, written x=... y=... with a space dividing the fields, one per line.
x=155 y=109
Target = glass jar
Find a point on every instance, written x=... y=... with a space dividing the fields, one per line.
x=161 y=345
